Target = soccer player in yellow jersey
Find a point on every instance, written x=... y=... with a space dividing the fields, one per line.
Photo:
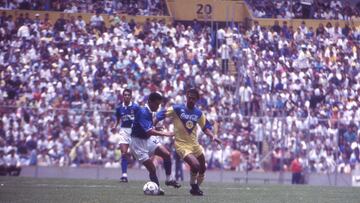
x=185 y=119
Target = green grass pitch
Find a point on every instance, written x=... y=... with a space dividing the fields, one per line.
x=23 y=189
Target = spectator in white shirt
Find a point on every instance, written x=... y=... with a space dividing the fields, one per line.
x=43 y=159
x=224 y=52
x=97 y=22
x=24 y=31
x=13 y=163
x=80 y=23
x=245 y=93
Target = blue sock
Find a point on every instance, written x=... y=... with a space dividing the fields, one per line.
x=154 y=178
x=124 y=164
x=167 y=166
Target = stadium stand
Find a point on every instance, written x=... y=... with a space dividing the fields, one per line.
x=131 y=7
x=305 y=9
x=297 y=93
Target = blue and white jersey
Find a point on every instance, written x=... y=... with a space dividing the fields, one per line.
x=126 y=114
x=143 y=122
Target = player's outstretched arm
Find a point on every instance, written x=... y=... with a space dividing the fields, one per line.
x=158 y=128
x=155 y=132
x=212 y=136
x=161 y=115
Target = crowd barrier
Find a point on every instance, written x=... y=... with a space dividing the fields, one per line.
x=97 y=172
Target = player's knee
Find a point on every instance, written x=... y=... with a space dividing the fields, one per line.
x=195 y=168
x=202 y=169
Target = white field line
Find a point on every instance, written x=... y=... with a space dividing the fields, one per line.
x=133 y=187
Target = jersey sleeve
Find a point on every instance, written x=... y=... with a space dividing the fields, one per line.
x=204 y=123
x=144 y=121
x=136 y=108
x=161 y=115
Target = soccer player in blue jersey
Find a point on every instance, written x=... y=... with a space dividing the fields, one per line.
x=145 y=143
x=185 y=119
x=125 y=114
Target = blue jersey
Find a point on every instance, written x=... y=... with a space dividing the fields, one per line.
x=143 y=122
x=126 y=114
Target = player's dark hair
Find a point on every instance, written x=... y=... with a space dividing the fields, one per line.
x=193 y=91
x=155 y=96
x=127 y=90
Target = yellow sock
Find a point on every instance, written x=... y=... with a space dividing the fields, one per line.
x=200 y=178
x=193 y=177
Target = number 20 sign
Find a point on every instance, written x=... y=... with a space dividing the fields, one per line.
x=204 y=11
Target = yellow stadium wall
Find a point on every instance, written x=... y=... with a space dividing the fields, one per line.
x=207 y=10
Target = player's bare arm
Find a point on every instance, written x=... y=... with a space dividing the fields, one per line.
x=158 y=128
x=212 y=136
x=155 y=132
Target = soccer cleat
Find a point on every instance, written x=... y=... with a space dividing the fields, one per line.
x=161 y=192
x=123 y=179
x=172 y=183
x=195 y=190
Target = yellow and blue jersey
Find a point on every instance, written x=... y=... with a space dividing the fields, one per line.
x=185 y=123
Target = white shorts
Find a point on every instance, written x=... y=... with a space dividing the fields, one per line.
x=123 y=137
x=143 y=149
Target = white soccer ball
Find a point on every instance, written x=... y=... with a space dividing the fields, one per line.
x=151 y=188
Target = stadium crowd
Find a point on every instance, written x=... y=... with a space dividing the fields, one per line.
x=298 y=91
x=131 y=7
x=305 y=9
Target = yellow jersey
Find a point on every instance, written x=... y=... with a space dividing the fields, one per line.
x=185 y=123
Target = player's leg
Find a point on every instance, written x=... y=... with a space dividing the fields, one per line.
x=124 y=161
x=140 y=149
x=202 y=169
x=194 y=171
x=149 y=165
x=178 y=167
x=124 y=141
x=165 y=155
x=152 y=144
